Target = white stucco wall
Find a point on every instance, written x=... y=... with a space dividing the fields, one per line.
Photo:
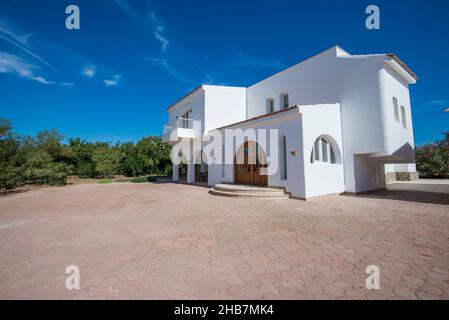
x=395 y=136
x=322 y=121
x=310 y=82
x=224 y=106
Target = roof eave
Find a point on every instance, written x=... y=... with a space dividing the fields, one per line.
x=185 y=97
x=404 y=66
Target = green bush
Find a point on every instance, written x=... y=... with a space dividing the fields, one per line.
x=143 y=179
x=43 y=158
x=432 y=160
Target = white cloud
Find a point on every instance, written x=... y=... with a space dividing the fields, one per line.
x=67 y=85
x=164 y=41
x=244 y=59
x=8 y=34
x=89 y=71
x=12 y=64
x=112 y=82
x=170 y=69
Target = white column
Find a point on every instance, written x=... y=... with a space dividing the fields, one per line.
x=190 y=173
x=175 y=174
x=203 y=166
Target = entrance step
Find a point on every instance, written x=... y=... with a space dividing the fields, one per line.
x=243 y=191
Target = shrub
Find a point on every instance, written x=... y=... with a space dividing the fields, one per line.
x=143 y=179
x=432 y=160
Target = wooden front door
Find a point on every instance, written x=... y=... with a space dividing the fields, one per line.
x=249 y=173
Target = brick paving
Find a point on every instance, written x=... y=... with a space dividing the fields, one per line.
x=167 y=241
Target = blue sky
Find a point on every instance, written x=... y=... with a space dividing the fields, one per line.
x=113 y=79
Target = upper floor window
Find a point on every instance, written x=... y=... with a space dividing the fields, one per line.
x=396 y=109
x=404 y=120
x=283 y=161
x=322 y=152
x=270 y=105
x=284 y=101
x=185 y=115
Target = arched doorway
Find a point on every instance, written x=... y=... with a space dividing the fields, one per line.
x=248 y=163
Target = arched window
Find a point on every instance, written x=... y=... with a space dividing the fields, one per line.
x=322 y=152
x=404 y=120
x=396 y=109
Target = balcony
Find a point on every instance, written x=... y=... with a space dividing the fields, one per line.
x=181 y=128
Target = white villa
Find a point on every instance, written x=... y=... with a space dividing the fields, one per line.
x=344 y=123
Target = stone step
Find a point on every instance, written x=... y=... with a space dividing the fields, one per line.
x=247 y=192
x=246 y=188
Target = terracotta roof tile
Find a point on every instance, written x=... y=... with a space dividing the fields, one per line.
x=259 y=117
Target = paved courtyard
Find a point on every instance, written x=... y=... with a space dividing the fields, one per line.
x=160 y=241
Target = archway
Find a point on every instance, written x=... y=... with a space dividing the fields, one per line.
x=249 y=161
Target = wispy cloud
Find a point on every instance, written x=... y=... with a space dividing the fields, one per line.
x=437 y=102
x=112 y=82
x=13 y=64
x=8 y=34
x=171 y=56
x=89 y=70
x=158 y=28
x=26 y=58
x=245 y=59
x=124 y=6
x=170 y=69
x=164 y=41
x=67 y=85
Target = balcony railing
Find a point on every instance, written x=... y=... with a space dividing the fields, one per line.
x=183 y=123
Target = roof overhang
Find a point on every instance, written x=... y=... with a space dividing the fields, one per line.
x=401 y=68
x=188 y=95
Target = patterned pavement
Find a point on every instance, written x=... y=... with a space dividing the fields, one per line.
x=167 y=241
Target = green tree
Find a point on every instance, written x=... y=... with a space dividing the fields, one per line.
x=80 y=156
x=131 y=164
x=10 y=171
x=155 y=155
x=50 y=142
x=38 y=167
x=106 y=160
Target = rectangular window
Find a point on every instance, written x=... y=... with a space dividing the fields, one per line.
x=270 y=105
x=284 y=158
x=404 y=120
x=285 y=102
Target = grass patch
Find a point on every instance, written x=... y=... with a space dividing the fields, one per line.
x=123 y=180
x=143 y=179
x=104 y=181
